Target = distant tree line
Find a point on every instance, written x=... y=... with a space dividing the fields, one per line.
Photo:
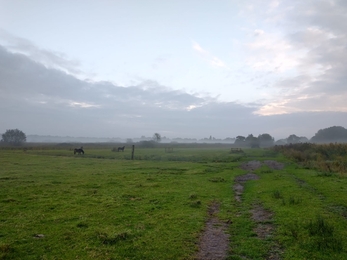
x=292 y=139
x=263 y=140
x=332 y=134
x=327 y=135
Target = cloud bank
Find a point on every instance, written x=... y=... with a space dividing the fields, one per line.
x=48 y=101
x=304 y=48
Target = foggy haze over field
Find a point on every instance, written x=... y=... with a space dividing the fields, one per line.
x=183 y=69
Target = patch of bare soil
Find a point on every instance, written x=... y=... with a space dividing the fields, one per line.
x=251 y=165
x=239 y=181
x=238 y=189
x=214 y=241
x=274 y=165
x=265 y=229
x=263 y=219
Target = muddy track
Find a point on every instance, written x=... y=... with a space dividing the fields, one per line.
x=239 y=183
x=214 y=242
x=262 y=217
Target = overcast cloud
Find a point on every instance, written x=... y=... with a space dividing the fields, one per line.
x=224 y=70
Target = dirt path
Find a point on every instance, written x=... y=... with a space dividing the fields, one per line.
x=214 y=242
x=262 y=217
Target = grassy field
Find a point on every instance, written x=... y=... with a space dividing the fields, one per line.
x=102 y=205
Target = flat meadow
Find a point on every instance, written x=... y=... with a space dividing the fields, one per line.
x=104 y=205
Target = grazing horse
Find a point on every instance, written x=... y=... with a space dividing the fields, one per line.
x=121 y=149
x=78 y=151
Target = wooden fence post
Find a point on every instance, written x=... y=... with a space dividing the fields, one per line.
x=132 y=152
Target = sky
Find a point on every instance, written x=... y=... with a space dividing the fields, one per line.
x=188 y=69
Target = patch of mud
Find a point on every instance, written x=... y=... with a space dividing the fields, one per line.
x=239 y=181
x=274 y=165
x=214 y=242
x=263 y=219
x=265 y=229
x=238 y=189
x=246 y=177
x=251 y=165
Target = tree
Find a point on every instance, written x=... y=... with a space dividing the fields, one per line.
x=240 y=140
x=249 y=138
x=252 y=141
x=157 y=137
x=266 y=140
x=293 y=139
x=14 y=136
x=331 y=134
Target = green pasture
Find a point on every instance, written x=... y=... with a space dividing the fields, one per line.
x=103 y=205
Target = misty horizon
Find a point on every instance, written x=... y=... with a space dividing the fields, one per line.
x=184 y=70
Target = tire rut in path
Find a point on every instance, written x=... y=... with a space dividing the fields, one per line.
x=260 y=216
x=214 y=242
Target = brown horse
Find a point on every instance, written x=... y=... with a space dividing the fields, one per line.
x=121 y=149
x=78 y=151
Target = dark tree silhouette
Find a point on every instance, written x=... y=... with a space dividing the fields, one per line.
x=14 y=137
x=293 y=139
x=240 y=140
x=252 y=141
x=266 y=140
x=330 y=134
x=157 y=137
